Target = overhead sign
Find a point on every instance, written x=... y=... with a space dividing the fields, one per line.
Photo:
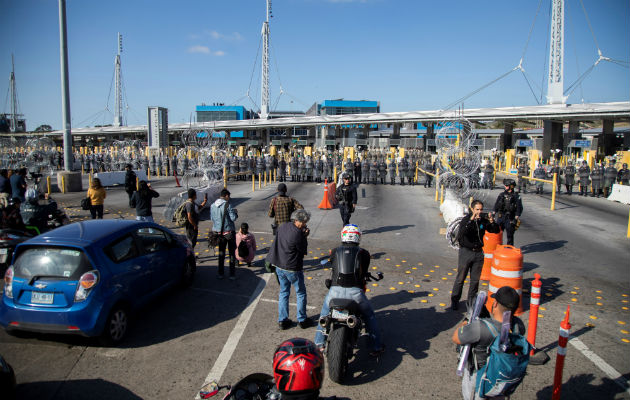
x=446 y=136
x=330 y=142
x=300 y=142
x=254 y=142
x=361 y=142
x=394 y=142
x=276 y=142
x=524 y=143
x=583 y=143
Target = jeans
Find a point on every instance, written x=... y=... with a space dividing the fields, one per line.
x=191 y=234
x=472 y=261
x=148 y=218
x=96 y=211
x=231 y=246
x=367 y=313
x=508 y=226
x=286 y=279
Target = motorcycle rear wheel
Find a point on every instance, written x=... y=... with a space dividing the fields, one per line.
x=338 y=353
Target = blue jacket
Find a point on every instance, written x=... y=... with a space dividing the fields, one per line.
x=216 y=215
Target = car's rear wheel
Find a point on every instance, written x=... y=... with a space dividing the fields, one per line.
x=188 y=275
x=115 y=326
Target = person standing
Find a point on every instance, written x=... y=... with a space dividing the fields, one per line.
x=522 y=172
x=282 y=170
x=141 y=200
x=430 y=168
x=97 y=195
x=365 y=169
x=555 y=169
x=293 y=166
x=287 y=256
x=597 y=176
x=301 y=169
x=382 y=170
x=392 y=171
x=357 y=171
x=610 y=176
x=223 y=216
x=130 y=182
x=281 y=207
x=508 y=209
x=309 y=169
x=192 y=216
x=347 y=196
x=569 y=177
x=5 y=189
x=403 y=168
x=583 y=173
x=470 y=258
x=373 y=170
x=478 y=334
x=623 y=176
x=18 y=184
x=318 y=169
x=540 y=173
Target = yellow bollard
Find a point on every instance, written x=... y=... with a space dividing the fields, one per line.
x=628 y=235
x=335 y=175
x=158 y=172
x=148 y=173
x=48 y=184
x=253 y=182
x=265 y=178
x=437 y=185
x=63 y=184
x=554 y=187
x=275 y=175
x=259 y=181
x=137 y=183
x=442 y=195
x=225 y=178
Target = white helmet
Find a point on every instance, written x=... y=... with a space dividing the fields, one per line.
x=351 y=234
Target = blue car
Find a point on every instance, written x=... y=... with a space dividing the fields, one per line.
x=86 y=278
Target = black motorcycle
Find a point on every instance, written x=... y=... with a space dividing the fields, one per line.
x=343 y=326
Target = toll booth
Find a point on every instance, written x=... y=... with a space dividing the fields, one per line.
x=578 y=146
x=522 y=146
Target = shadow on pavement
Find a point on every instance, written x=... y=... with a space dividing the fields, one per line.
x=402 y=335
x=387 y=229
x=542 y=246
x=582 y=387
x=74 y=389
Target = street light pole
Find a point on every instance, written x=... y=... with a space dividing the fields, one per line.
x=65 y=89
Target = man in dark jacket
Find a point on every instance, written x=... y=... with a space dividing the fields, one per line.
x=470 y=258
x=287 y=256
x=347 y=196
x=130 y=182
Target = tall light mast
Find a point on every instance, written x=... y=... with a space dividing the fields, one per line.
x=555 y=83
x=264 y=92
x=13 y=89
x=118 y=114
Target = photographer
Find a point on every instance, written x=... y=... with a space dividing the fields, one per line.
x=470 y=258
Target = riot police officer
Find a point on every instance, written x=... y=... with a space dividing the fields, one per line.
x=403 y=167
x=282 y=170
x=373 y=165
x=569 y=177
x=610 y=175
x=623 y=176
x=382 y=170
x=540 y=173
x=242 y=167
x=583 y=173
x=293 y=165
x=556 y=170
x=392 y=171
x=522 y=171
x=365 y=169
x=597 y=177
x=508 y=209
x=488 y=176
x=318 y=169
x=309 y=168
x=301 y=169
x=428 y=167
x=234 y=165
x=349 y=167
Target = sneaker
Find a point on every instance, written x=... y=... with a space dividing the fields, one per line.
x=376 y=353
x=305 y=324
x=283 y=325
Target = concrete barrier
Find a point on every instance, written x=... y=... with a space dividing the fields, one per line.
x=620 y=193
x=117 y=177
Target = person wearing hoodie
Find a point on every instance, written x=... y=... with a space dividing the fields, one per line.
x=218 y=208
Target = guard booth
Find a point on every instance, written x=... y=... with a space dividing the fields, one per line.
x=523 y=145
x=577 y=147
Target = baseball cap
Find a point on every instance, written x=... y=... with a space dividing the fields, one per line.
x=282 y=188
x=507 y=297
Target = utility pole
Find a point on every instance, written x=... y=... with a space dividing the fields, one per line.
x=14 y=116
x=555 y=83
x=264 y=92
x=65 y=88
x=118 y=119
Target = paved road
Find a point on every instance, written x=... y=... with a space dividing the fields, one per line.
x=228 y=329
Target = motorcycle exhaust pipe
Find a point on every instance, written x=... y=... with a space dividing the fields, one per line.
x=351 y=322
x=323 y=321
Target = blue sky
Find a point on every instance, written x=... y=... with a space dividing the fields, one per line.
x=407 y=54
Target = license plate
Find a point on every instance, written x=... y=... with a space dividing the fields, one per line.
x=336 y=314
x=42 y=298
x=4 y=251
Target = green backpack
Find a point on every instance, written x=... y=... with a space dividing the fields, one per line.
x=181 y=216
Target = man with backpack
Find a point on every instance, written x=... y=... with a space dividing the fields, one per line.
x=192 y=215
x=494 y=369
x=281 y=207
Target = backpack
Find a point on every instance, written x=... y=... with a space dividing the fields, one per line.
x=181 y=216
x=243 y=250
x=503 y=371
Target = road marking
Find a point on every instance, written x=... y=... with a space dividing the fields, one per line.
x=601 y=364
x=235 y=336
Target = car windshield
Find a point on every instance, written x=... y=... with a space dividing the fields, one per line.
x=51 y=262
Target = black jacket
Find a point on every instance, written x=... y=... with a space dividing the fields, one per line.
x=289 y=248
x=142 y=202
x=508 y=205
x=130 y=182
x=471 y=232
x=347 y=195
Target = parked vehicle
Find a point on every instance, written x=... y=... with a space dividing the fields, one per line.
x=88 y=277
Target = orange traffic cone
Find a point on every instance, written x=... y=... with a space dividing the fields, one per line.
x=176 y=180
x=325 y=204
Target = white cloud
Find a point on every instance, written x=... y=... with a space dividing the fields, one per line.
x=199 y=49
x=205 y=50
x=222 y=36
